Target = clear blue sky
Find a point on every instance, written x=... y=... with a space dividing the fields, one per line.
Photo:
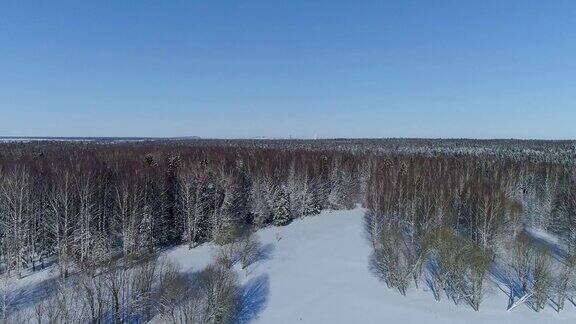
x=489 y=69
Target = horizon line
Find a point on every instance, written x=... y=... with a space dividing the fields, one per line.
x=192 y=137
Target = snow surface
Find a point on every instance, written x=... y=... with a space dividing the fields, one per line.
x=317 y=272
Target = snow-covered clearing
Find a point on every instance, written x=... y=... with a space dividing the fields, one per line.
x=315 y=270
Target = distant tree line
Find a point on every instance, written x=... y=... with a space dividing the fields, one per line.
x=101 y=211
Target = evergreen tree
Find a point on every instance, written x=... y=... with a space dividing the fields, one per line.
x=171 y=229
x=146 y=243
x=312 y=202
x=281 y=214
x=234 y=210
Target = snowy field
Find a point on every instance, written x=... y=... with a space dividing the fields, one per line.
x=315 y=270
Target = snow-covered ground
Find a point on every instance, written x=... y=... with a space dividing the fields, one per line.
x=317 y=272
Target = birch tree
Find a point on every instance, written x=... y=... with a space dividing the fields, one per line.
x=15 y=218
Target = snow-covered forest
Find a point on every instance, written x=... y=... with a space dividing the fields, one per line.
x=451 y=216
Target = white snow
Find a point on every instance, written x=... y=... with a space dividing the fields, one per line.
x=317 y=272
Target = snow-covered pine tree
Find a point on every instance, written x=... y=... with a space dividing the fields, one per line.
x=211 y=196
x=261 y=201
x=336 y=194
x=312 y=204
x=101 y=251
x=350 y=189
x=194 y=203
x=146 y=242
x=170 y=228
x=242 y=184
x=295 y=189
x=232 y=213
x=281 y=215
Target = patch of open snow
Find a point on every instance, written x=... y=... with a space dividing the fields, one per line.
x=317 y=272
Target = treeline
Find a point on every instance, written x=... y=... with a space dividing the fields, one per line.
x=446 y=220
x=453 y=222
x=101 y=213
x=539 y=151
x=82 y=204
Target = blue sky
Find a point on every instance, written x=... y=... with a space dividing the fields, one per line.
x=487 y=69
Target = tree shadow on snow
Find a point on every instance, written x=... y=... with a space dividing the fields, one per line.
x=557 y=250
x=431 y=271
x=31 y=294
x=265 y=253
x=253 y=298
x=510 y=284
x=506 y=282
